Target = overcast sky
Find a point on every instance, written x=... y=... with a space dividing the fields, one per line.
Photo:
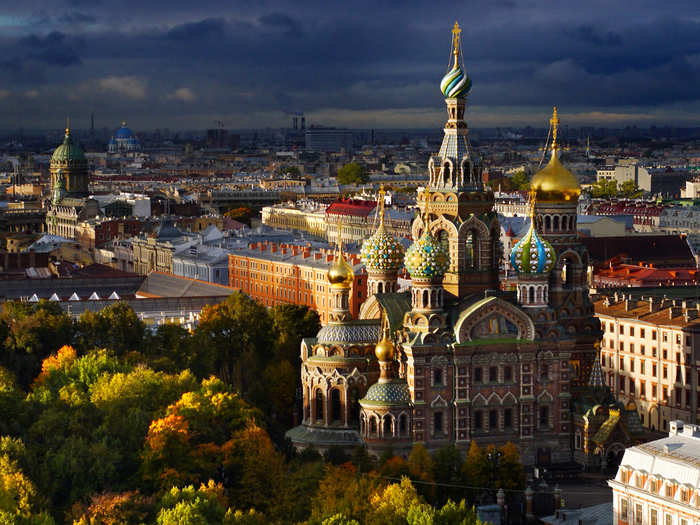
x=378 y=63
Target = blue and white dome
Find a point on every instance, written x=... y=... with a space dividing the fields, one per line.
x=532 y=253
x=123 y=141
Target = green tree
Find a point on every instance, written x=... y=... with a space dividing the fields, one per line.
x=116 y=327
x=604 y=189
x=352 y=173
x=630 y=190
x=447 y=469
x=31 y=333
x=292 y=323
x=237 y=334
x=190 y=506
x=520 y=180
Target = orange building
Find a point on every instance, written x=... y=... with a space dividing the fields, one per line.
x=274 y=273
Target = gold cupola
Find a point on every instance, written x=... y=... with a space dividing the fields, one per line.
x=554 y=182
x=384 y=350
x=340 y=274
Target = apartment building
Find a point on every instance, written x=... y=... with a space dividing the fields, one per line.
x=649 y=355
x=658 y=483
x=274 y=273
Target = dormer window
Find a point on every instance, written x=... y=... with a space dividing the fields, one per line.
x=670 y=489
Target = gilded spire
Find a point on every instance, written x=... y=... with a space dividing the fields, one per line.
x=426 y=196
x=67 y=125
x=455 y=42
x=382 y=193
x=533 y=198
x=554 y=122
x=340 y=273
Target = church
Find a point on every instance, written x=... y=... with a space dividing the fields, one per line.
x=459 y=356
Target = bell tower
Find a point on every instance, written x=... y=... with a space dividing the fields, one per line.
x=461 y=209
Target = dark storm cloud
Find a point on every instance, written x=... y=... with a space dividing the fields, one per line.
x=250 y=57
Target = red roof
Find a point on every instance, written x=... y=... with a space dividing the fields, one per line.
x=356 y=207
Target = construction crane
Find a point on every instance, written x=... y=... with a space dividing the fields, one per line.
x=296 y=115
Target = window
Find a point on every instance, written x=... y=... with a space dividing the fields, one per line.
x=669 y=519
x=493 y=374
x=544 y=417
x=679 y=379
x=678 y=357
x=507 y=374
x=544 y=371
x=642 y=349
x=319 y=405
x=678 y=339
x=622 y=346
x=631 y=365
x=653 y=369
x=665 y=376
x=653 y=351
x=653 y=391
x=477 y=375
x=437 y=377
x=665 y=355
x=622 y=363
x=508 y=418
x=631 y=391
x=665 y=394
x=632 y=347
x=631 y=330
x=641 y=332
x=664 y=337
x=622 y=329
x=654 y=517
x=403 y=424
x=669 y=490
x=478 y=420
x=653 y=335
x=642 y=389
x=638 y=514
x=493 y=420
x=623 y=509
x=641 y=366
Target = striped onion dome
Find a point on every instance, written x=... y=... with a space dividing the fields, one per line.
x=456 y=83
x=532 y=253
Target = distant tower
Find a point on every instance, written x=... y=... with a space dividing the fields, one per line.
x=462 y=216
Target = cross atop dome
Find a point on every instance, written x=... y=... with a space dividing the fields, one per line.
x=554 y=122
x=456 y=31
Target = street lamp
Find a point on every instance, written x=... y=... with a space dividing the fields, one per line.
x=493 y=458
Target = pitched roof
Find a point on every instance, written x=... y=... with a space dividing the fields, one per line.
x=659 y=250
x=158 y=284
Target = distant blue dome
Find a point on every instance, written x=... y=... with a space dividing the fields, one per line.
x=123 y=133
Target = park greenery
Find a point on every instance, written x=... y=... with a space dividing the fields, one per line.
x=519 y=181
x=352 y=173
x=608 y=189
x=108 y=422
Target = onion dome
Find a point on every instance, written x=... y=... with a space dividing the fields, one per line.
x=554 y=182
x=426 y=258
x=532 y=253
x=384 y=350
x=382 y=252
x=124 y=132
x=456 y=83
x=394 y=392
x=340 y=274
x=68 y=152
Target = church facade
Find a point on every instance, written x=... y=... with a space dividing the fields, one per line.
x=455 y=358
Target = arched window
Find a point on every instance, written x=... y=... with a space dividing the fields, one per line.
x=539 y=294
x=564 y=223
x=547 y=223
x=425 y=299
x=403 y=425
x=387 y=427
x=373 y=425
x=336 y=412
x=447 y=174
x=380 y=287
x=471 y=256
x=555 y=223
x=319 y=405
x=567 y=273
x=531 y=295
x=444 y=240
x=353 y=407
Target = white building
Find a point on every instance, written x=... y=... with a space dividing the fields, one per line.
x=658 y=483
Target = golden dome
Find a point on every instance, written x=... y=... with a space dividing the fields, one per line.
x=340 y=274
x=554 y=182
x=384 y=349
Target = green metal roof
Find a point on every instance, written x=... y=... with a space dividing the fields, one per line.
x=395 y=305
x=69 y=151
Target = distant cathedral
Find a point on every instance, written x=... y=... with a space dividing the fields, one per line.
x=123 y=141
x=456 y=358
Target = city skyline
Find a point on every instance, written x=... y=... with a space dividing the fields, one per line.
x=183 y=66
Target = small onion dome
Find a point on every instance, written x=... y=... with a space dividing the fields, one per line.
x=555 y=183
x=532 y=253
x=384 y=349
x=340 y=274
x=394 y=392
x=382 y=252
x=426 y=258
x=456 y=83
x=69 y=151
